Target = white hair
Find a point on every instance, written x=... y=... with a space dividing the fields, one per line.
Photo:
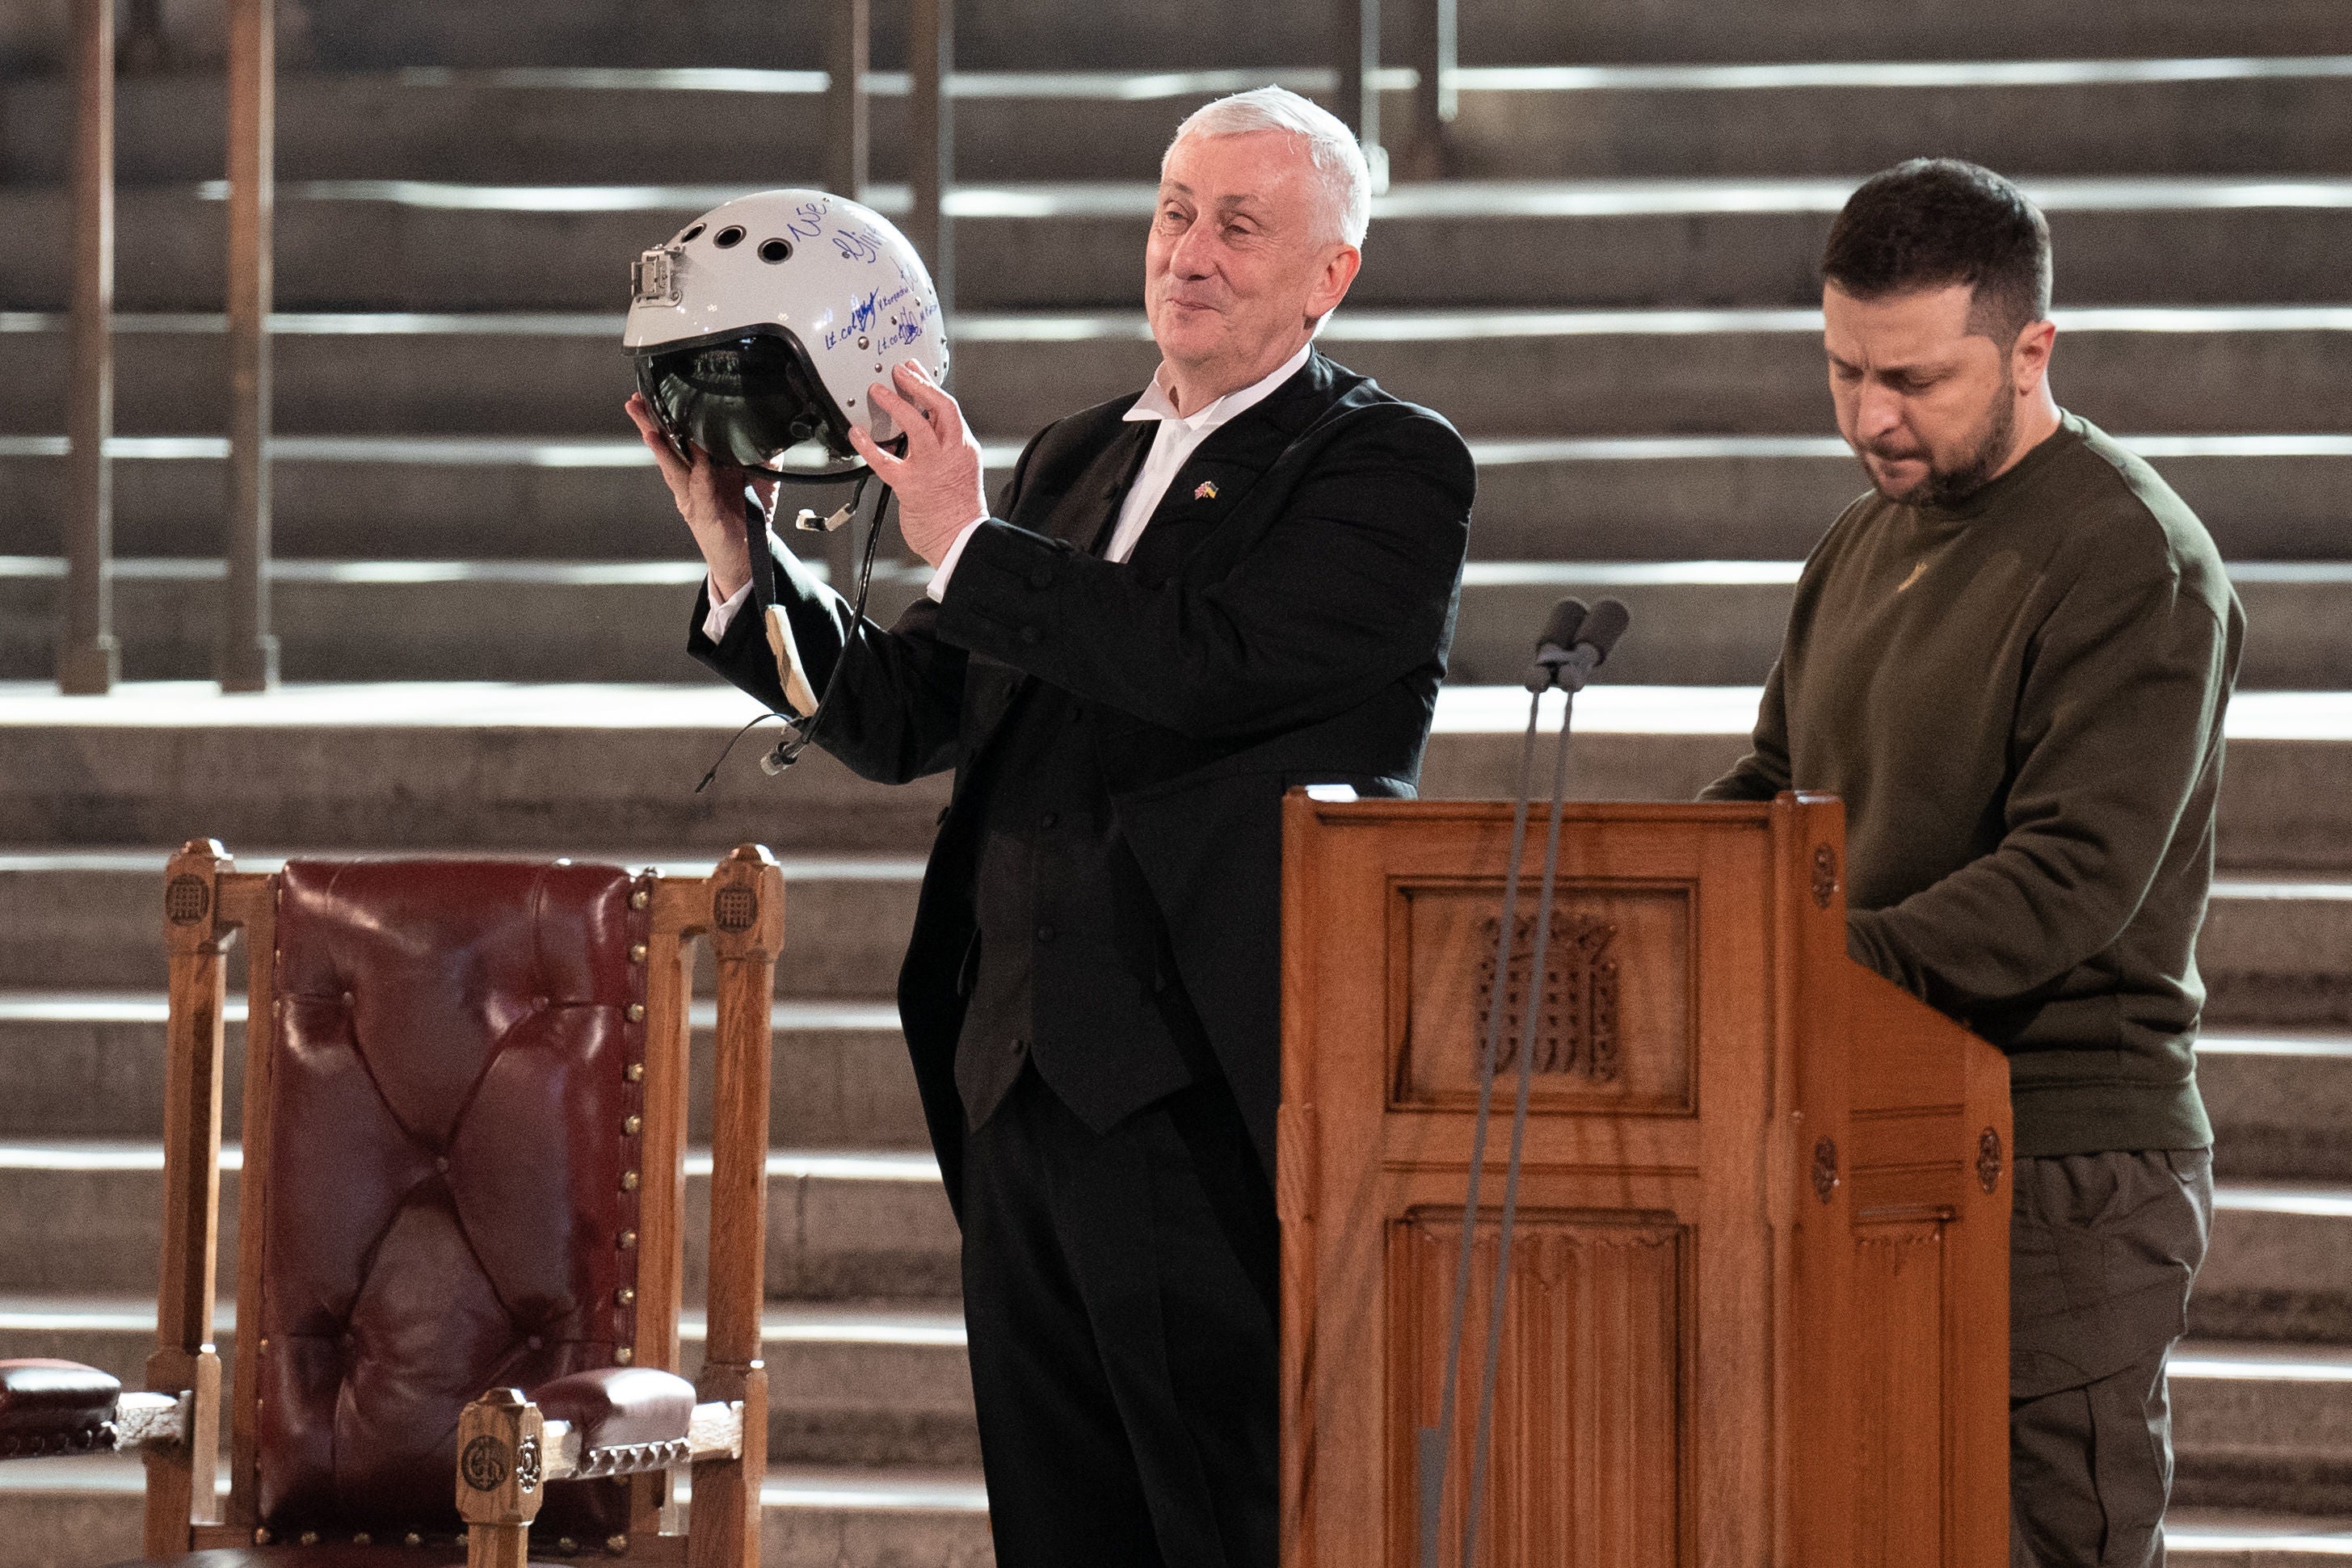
x=1339 y=167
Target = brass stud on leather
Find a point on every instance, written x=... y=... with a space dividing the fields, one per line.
x=636 y=1012
x=625 y=1296
x=262 y=1537
x=628 y=1181
x=631 y=1126
x=616 y=1544
x=412 y=1539
x=627 y=1240
x=364 y=1539
x=634 y=1073
x=637 y=954
x=640 y=898
x=623 y=1356
x=565 y=1544
x=308 y=1537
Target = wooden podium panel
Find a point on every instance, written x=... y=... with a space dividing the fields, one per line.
x=1757 y=1303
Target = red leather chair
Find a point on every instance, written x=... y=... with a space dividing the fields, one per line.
x=464 y=1133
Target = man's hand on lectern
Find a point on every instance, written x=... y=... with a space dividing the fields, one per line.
x=939 y=479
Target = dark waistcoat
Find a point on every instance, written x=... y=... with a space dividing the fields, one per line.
x=1070 y=968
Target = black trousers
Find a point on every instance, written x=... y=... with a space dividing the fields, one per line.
x=1119 y=1292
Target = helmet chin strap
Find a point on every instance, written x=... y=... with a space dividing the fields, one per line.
x=802 y=728
x=788 y=751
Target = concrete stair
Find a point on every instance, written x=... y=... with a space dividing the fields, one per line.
x=395 y=500
x=1616 y=305
x=1545 y=122
x=469 y=621
x=1514 y=372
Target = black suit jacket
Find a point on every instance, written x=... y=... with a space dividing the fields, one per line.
x=1284 y=620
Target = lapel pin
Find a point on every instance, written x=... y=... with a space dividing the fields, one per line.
x=1206 y=490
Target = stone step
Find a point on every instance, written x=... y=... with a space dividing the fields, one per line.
x=2280 y=1269
x=88 y=919
x=2262 y=1425
x=82 y=1215
x=2279 y=1102
x=2276 y=951
x=2254 y=371
x=1128 y=34
x=72 y=1513
x=2237 y=1538
x=470 y=620
x=851 y=1383
x=90 y=1064
x=64 y=1513
x=429 y=244
x=2290 y=114
x=408 y=499
x=397 y=764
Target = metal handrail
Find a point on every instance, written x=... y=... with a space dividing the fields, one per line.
x=1425 y=150
x=248 y=652
x=89 y=660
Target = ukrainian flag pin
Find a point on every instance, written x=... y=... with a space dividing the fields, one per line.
x=1206 y=490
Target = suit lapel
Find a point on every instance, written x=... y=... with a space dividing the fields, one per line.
x=1213 y=482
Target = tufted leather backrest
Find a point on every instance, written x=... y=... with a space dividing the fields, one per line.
x=450 y=1173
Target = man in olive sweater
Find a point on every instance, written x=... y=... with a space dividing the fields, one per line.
x=2012 y=660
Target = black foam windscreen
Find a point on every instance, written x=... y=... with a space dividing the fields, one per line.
x=1602 y=627
x=1561 y=627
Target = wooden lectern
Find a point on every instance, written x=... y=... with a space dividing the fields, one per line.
x=1757 y=1309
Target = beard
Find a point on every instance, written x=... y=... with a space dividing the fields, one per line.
x=1948 y=484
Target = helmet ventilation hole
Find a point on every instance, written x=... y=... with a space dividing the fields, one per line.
x=693 y=234
x=727 y=237
x=775 y=250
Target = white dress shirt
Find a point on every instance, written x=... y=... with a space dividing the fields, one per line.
x=1173 y=445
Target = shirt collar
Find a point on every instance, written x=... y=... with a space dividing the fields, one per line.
x=1156 y=404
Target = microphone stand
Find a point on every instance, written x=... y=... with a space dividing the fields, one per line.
x=1566 y=660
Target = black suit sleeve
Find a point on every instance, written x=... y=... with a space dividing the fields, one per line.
x=1346 y=591
x=897 y=711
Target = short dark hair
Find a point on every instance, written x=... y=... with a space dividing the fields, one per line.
x=1935 y=222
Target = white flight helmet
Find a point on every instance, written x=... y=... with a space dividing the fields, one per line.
x=757 y=331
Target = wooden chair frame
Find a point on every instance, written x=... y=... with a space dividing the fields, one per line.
x=738 y=910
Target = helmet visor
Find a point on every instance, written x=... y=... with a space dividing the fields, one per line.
x=751 y=401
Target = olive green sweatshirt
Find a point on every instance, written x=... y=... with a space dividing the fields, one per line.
x=2019 y=699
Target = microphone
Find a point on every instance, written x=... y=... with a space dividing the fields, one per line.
x=1555 y=644
x=1602 y=628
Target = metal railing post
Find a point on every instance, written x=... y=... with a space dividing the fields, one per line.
x=1435 y=54
x=88 y=659
x=848 y=138
x=249 y=654
x=1356 y=41
x=930 y=123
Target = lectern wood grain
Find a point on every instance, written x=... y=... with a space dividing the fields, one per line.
x=1756 y=1303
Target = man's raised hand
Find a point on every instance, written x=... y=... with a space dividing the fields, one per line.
x=709 y=496
x=938 y=478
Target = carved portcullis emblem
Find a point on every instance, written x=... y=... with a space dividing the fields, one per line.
x=1575 y=1006
x=735 y=908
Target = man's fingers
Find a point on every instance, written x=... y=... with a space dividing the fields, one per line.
x=909 y=418
x=886 y=468
x=649 y=431
x=910 y=380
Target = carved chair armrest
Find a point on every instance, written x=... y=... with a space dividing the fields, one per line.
x=614 y=1421
x=55 y=1407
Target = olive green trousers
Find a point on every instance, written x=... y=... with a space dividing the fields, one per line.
x=2103 y=1248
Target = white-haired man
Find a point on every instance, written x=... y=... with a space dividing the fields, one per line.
x=1241 y=579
